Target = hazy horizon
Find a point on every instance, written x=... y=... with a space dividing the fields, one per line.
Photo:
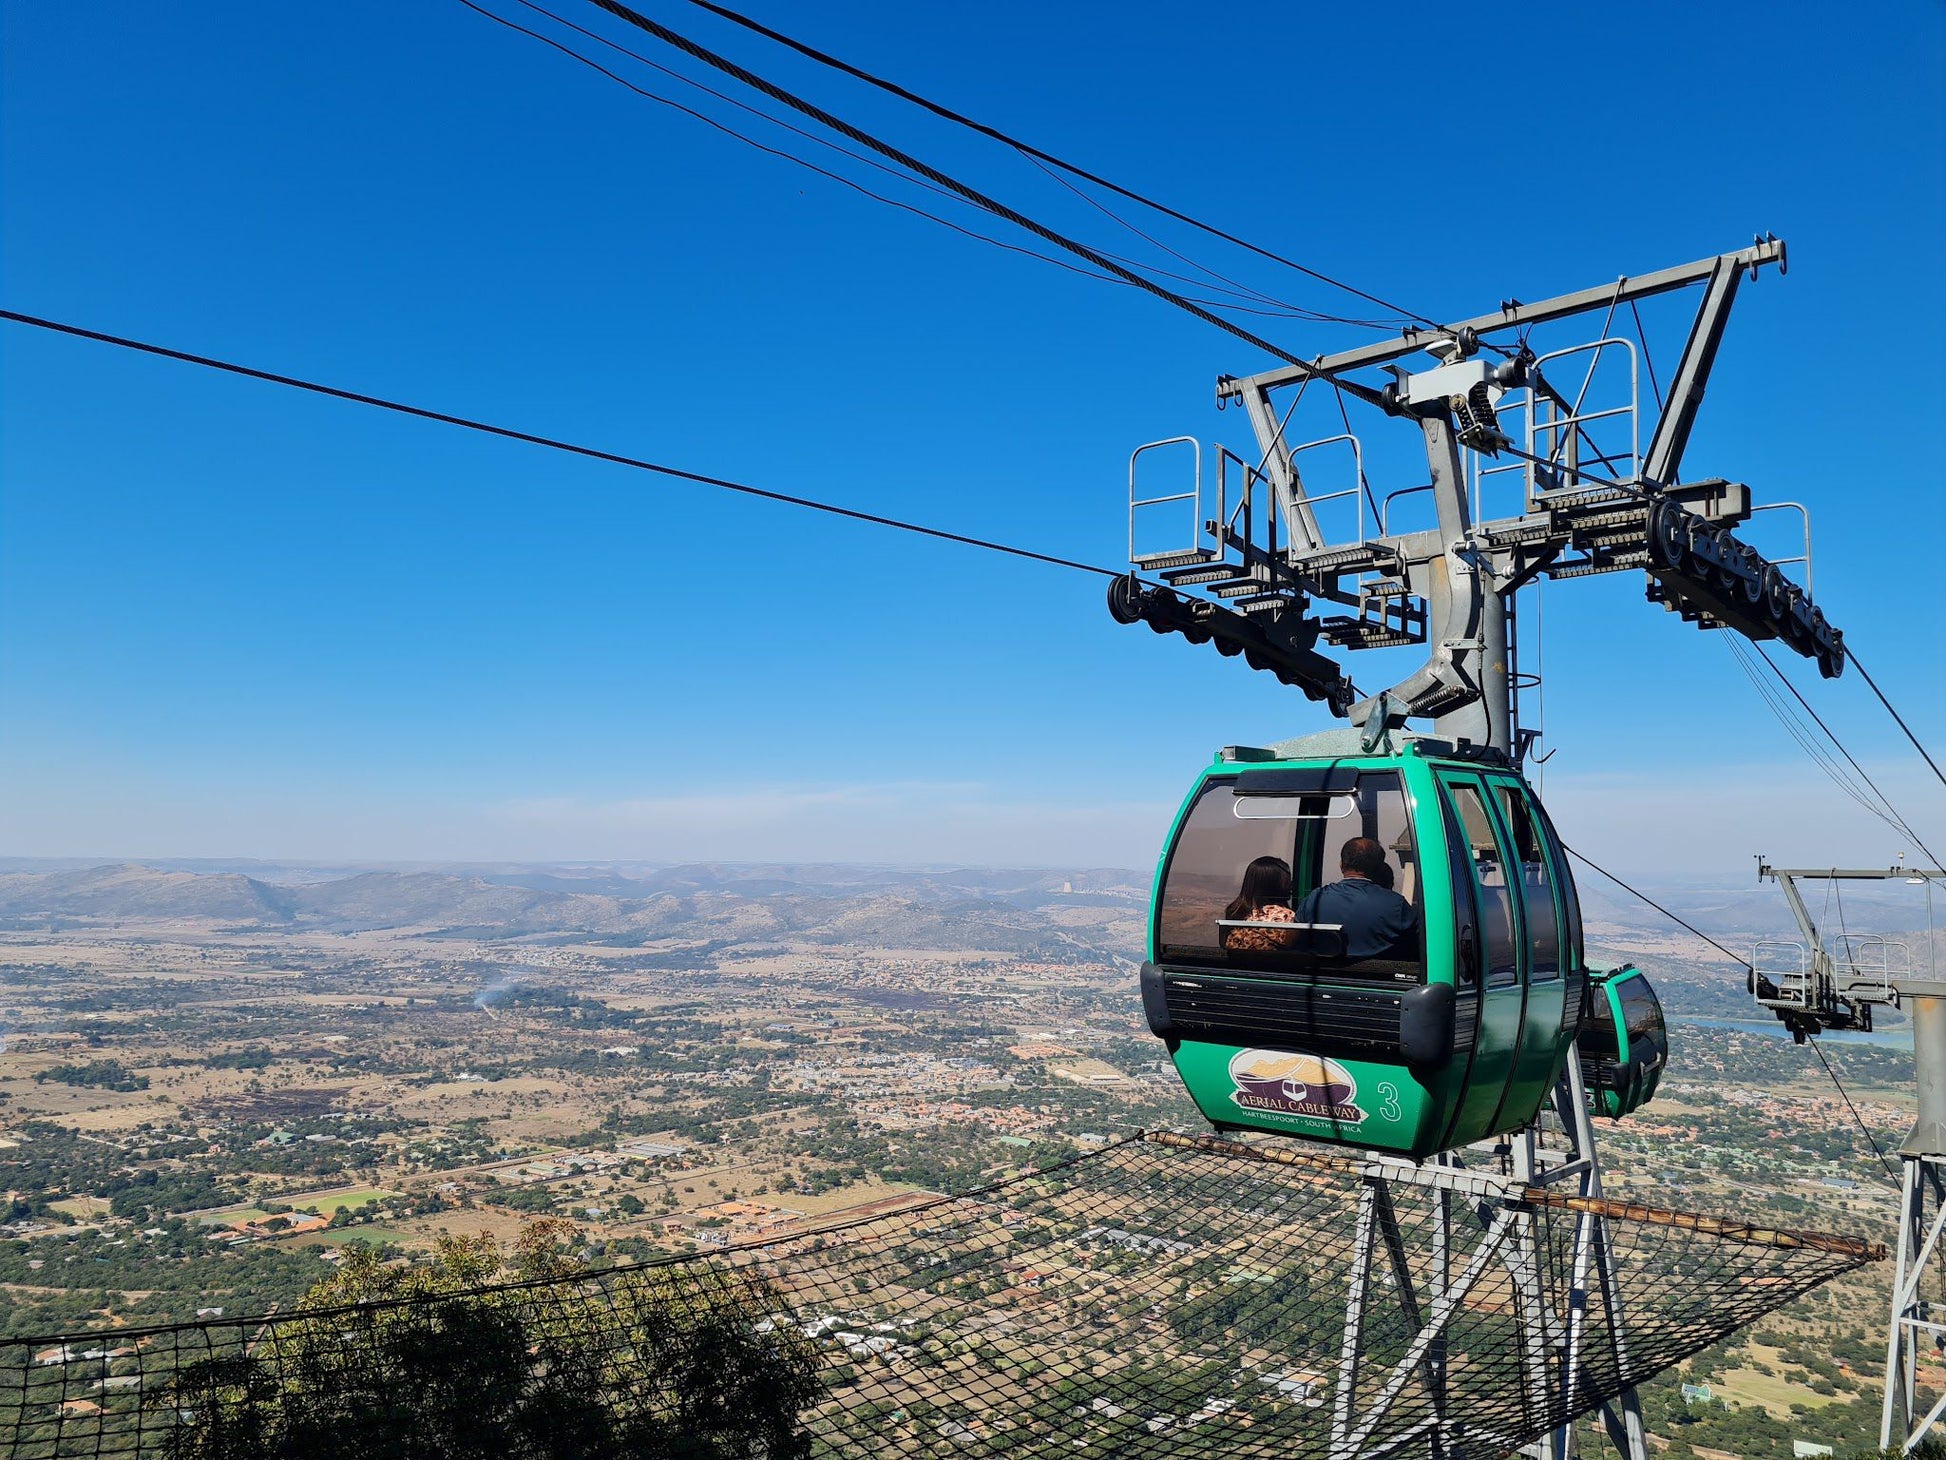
x=1683 y=822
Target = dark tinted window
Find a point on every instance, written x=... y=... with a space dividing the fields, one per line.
x=1244 y=862
x=1642 y=1015
x=1570 y=897
x=1466 y=915
x=1599 y=1038
x=1489 y=862
x=1535 y=878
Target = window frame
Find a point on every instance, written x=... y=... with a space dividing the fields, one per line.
x=1217 y=960
x=1451 y=783
x=1574 y=947
x=1655 y=1037
x=1516 y=789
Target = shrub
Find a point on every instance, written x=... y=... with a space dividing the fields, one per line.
x=433 y=1363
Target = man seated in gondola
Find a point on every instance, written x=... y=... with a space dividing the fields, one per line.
x=1376 y=921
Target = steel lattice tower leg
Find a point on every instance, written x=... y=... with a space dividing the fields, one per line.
x=1914 y=1327
x=1593 y=1281
x=1559 y=1330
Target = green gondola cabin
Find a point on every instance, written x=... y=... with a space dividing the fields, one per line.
x=1624 y=1042
x=1452 y=1028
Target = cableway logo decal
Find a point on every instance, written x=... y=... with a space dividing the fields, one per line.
x=1295 y=1084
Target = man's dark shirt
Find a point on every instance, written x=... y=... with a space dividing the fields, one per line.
x=1377 y=922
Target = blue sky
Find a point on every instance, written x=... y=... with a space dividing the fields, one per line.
x=239 y=622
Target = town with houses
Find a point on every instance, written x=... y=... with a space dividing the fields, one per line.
x=203 y=1115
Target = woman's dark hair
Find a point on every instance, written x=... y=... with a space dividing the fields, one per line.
x=1265 y=881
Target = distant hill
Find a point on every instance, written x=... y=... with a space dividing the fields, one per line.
x=1023 y=912
x=132 y=891
x=1005 y=911
x=1745 y=907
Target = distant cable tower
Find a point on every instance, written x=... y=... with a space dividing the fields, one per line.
x=1816 y=982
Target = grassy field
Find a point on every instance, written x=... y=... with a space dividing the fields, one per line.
x=324 y=1203
x=82 y=1208
x=1772 y=1392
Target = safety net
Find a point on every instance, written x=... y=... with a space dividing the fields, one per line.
x=1165 y=1296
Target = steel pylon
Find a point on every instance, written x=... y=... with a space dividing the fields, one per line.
x=1560 y=1330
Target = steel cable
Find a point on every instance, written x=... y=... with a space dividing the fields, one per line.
x=1843 y=1094
x=1283 y=308
x=1822 y=758
x=552 y=443
x=1284 y=312
x=922 y=169
x=1637 y=893
x=1900 y=719
x=1818 y=719
x=1028 y=150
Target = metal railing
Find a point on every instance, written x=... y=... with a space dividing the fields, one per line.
x=1194 y=496
x=1785 y=964
x=1560 y=437
x=1867 y=966
x=1385 y=506
x=1805 y=557
x=1355 y=490
x=1280 y=513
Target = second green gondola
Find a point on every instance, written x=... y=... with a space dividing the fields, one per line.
x=1624 y=1042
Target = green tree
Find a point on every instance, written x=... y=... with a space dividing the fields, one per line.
x=441 y=1362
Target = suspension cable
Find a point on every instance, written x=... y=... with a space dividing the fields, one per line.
x=1858 y=1119
x=1250 y=298
x=1241 y=290
x=1821 y=757
x=1853 y=760
x=1924 y=753
x=1029 y=150
x=970 y=194
x=552 y=443
x=1637 y=893
x=1738 y=958
x=750 y=141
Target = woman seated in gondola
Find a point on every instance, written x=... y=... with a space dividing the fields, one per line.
x=1265 y=897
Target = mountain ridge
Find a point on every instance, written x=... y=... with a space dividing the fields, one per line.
x=891 y=908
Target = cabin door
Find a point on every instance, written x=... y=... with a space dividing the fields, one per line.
x=1534 y=878
x=1489 y=951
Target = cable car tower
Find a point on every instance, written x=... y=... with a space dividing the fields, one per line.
x=1816 y=982
x=1301 y=555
